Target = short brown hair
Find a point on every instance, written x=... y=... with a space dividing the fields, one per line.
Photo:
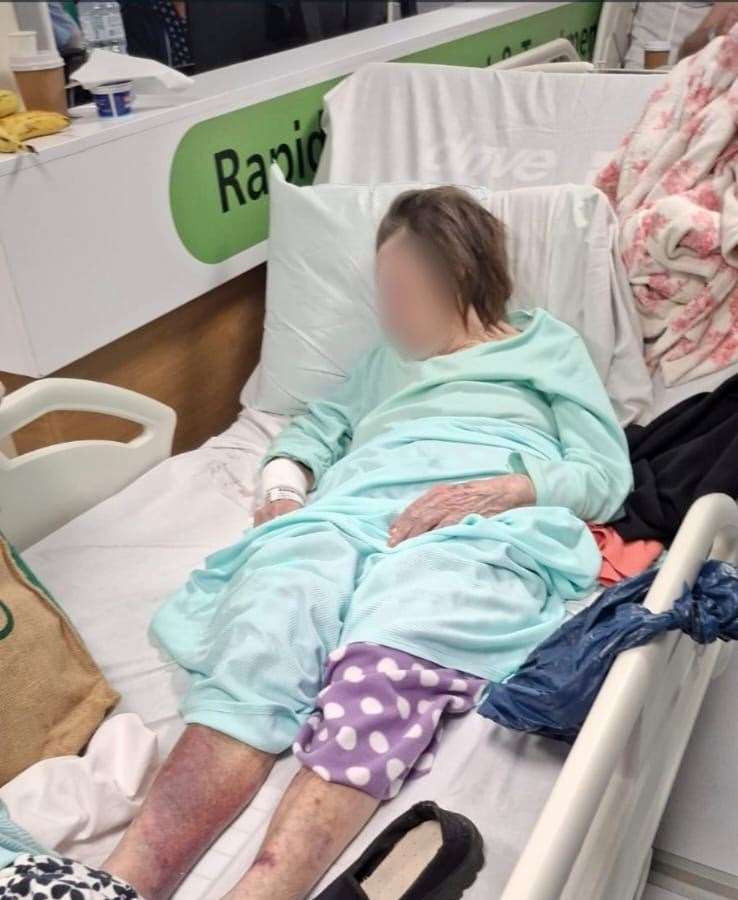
x=465 y=240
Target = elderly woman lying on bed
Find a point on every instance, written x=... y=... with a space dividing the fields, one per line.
x=453 y=473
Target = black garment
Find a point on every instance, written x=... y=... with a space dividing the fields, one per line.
x=449 y=873
x=687 y=452
x=154 y=30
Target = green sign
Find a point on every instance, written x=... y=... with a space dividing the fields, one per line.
x=6 y=620
x=218 y=180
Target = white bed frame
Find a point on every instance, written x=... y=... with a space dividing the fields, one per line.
x=43 y=489
x=593 y=838
x=558 y=55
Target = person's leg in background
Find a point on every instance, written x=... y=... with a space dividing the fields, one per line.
x=378 y=722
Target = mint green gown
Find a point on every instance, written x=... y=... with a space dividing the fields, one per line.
x=255 y=625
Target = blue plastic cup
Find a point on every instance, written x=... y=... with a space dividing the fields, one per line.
x=113 y=99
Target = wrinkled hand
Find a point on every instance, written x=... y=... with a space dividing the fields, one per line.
x=448 y=504
x=270 y=511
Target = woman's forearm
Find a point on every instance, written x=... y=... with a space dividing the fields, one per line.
x=318 y=438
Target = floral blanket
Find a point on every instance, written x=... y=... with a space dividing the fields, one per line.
x=673 y=186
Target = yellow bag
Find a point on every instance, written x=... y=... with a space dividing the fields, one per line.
x=52 y=694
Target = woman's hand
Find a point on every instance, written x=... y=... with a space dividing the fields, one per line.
x=270 y=511
x=448 y=504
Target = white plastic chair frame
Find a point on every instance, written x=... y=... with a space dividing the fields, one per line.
x=559 y=55
x=42 y=490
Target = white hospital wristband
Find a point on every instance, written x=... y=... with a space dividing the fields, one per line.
x=278 y=493
x=286 y=475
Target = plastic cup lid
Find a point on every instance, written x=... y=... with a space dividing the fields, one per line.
x=111 y=87
x=42 y=59
x=657 y=46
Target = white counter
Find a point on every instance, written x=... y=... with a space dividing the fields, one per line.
x=89 y=245
x=271 y=76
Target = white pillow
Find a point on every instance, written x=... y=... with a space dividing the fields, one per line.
x=320 y=280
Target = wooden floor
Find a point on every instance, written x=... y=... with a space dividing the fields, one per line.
x=195 y=359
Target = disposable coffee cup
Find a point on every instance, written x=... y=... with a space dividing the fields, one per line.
x=656 y=54
x=39 y=74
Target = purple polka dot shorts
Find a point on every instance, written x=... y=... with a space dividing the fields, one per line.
x=379 y=717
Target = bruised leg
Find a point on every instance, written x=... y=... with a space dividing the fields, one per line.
x=206 y=781
x=309 y=829
x=386 y=716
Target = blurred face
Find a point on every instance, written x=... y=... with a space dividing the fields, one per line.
x=417 y=311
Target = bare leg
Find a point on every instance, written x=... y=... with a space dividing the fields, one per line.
x=206 y=781
x=311 y=826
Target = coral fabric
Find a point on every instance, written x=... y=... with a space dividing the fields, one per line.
x=673 y=186
x=621 y=559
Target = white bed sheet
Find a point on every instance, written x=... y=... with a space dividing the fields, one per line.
x=502 y=129
x=113 y=565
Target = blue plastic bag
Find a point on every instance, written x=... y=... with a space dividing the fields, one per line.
x=553 y=690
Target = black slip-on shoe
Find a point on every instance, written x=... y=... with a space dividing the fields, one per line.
x=427 y=853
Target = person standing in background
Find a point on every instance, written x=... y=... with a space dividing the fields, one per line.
x=719 y=20
x=687 y=25
x=70 y=43
x=665 y=20
x=158 y=30
x=67 y=33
